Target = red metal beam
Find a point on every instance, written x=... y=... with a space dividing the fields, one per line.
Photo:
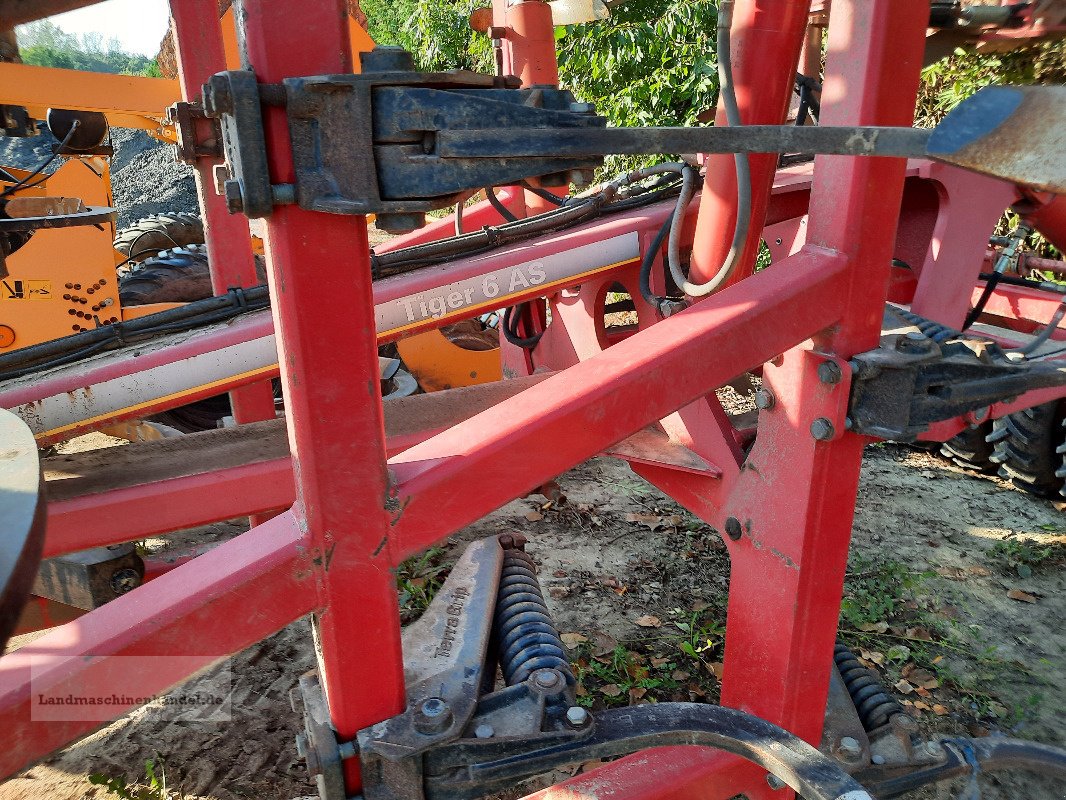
x=327 y=344
x=190 y=618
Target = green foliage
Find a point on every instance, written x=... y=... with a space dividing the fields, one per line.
x=153 y=788
x=43 y=44
x=437 y=32
x=874 y=589
x=951 y=80
x=1024 y=556
x=418 y=579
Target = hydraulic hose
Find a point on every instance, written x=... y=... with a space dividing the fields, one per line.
x=732 y=115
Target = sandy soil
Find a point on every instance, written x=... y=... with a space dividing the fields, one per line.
x=913 y=508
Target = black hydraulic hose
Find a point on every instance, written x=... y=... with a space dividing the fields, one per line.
x=982 y=301
x=511 y=317
x=501 y=209
x=969 y=756
x=542 y=193
x=22 y=184
x=646 y=264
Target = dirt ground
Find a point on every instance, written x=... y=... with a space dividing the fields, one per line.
x=925 y=531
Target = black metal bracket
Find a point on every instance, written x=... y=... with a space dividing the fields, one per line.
x=912 y=380
x=364 y=144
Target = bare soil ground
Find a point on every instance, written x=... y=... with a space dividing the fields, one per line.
x=639 y=586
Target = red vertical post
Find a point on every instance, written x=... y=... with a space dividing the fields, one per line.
x=789 y=557
x=766 y=39
x=198 y=43
x=320 y=287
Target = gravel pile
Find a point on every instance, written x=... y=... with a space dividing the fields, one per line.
x=145 y=177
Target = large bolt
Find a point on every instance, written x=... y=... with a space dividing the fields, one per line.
x=849 y=748
x=829 y=372
x=764 y=399
x=547 y=678
x=822 y=429
x=433 y=716
x=577 y=717
x=733 y=528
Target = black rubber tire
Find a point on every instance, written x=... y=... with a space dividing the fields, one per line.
x=179 y=275
x=971 y=449
x=1025 y=448
x=152 y=235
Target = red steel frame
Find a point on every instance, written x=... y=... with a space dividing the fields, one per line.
x=362 y=505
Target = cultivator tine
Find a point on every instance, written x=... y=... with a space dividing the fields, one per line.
x=1015 y=133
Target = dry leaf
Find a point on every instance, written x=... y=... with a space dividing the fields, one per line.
x=716 y=668
x=679 y=675
x=636 y=694
x=700 y=605
x=558 y=592
x=559 y=573
x=696 y=690
x=903 y=687
x=658 y=662
x=591 y=765
x=921 y=706
x=605 y=643
x=978 y=570
x=648 y=621
x=923 y=692
x=940 y=710
x=874 y=627
x=1024 y=597
x=580 y=690
x=534 y=516
x=919 y=633
x=873 y=655
x=572 y=640
x=611 y=690
x=953 y=573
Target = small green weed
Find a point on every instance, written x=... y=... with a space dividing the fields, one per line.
x=418 y=580
x=874 y=590
x=154 y=786
x=1025 y=556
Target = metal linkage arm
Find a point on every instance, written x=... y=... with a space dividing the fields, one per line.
x=397 y=142
x=914 y=379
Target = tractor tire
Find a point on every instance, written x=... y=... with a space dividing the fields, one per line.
x=1025 y=448
x=971 y=449
x=152 y=235
x=179 y=275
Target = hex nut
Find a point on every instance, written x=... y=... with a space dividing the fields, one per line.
x=764 y=399
x=234 y=195
x=829 y=373
x=822 y=429
x=546 y=678
x=577 y=717
x=849 y=748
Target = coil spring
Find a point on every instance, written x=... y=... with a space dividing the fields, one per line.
x=875 y=706
x=525 y=634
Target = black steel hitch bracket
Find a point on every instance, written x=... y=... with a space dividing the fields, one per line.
x=911 y=381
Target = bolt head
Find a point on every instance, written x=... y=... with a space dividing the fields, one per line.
x=234 y=195
x=849 y=748
x=822 y=429
x=397 y=223
x=829 y=372
x=775 y=782
x=547 y=678
x=878 y=760
x=577 y=717
x=433 y=716
x=484 y=732
x=582 y=108
x=733 y=528
x=764 y=399
x=124 y=580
